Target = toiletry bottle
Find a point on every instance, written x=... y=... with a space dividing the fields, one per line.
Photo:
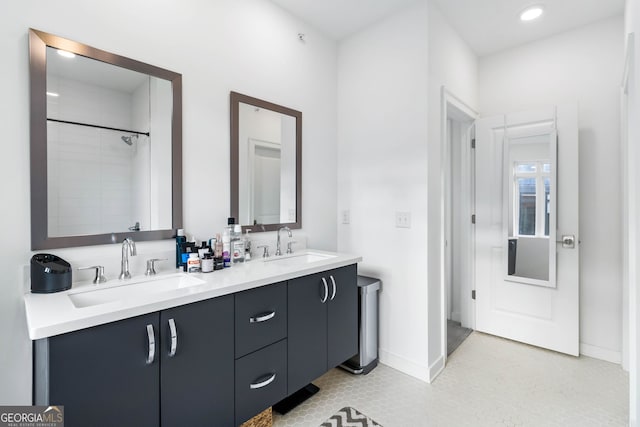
x=203 y=249
x=218 y=261
x=226 y=249
x=217 y=248
x=186 y=254
x=193 y=263
x=247 y=246
x=180 y=238
x=237 y=244
x=206 y=263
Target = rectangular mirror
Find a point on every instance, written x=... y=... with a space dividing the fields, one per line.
x=530 y=189
x=106 y=147
x=266 y=143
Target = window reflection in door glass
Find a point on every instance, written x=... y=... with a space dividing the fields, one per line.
x=527 y=206
x=526 y=167
x=547 y=204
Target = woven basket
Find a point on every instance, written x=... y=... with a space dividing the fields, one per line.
x=263 y=419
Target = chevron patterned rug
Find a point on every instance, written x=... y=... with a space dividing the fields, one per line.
x=349 y=417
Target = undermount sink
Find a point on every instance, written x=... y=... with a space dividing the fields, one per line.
x=301 y=259
x=128 y=290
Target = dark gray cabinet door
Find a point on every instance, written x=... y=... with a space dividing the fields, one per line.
x=307 y=334
x=101 y=375
x=197 y=380
x=343 y=315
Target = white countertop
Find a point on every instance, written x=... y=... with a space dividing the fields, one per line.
x=54 y=314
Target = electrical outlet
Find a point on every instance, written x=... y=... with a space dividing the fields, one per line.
x=403 y=219
x=292 y=215
x=346 y=216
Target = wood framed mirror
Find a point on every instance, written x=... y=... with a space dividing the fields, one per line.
x=266 y=164
x=106 y=146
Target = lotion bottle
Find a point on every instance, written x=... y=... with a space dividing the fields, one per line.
x=226 y=247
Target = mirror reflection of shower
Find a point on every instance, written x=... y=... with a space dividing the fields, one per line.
x=129 y=140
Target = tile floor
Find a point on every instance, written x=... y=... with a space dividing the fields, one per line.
x=488 y=381
x=456 y=334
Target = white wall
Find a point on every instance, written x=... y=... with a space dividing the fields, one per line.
x=631 y=133
x=454 y=65
x=389 y=79
x=382 y=169
x=583 y=66
x=249 y=46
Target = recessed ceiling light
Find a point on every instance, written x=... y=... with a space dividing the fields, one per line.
x=531 y=13
x=66 y=54
x=52 y=94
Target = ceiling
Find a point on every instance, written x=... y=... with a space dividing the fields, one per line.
x=341 y=18
x=487 y=26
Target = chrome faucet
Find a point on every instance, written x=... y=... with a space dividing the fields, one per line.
x=278 y=251
x=128 y=248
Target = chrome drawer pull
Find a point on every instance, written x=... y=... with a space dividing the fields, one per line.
x=333 y=282
x=264 y=383
x=326 y=291
x=174 y=338
x=262 y=317
x=152 y=345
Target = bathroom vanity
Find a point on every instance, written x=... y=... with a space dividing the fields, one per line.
x=202 y=349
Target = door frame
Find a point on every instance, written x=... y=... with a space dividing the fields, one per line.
x=451 y=105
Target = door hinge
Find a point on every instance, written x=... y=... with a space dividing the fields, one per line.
x=473 y=219
x=473 y=143
x=473 y=294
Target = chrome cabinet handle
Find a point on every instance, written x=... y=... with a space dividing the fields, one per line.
x=262 y=317
x=333 y=294
x=326 y=291
x=264 y=383
x=174 y=338
x=152 y=345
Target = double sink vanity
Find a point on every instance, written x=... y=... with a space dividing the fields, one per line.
x=175 y=349
x=201 y=349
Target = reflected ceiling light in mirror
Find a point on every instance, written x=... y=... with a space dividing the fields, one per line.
x=66 y=53
x=531 y=13
x=53 y=94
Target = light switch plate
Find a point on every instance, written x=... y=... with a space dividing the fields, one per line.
x=346 y=216
x=403 y=219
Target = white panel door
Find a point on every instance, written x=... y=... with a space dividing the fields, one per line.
x=523 y=310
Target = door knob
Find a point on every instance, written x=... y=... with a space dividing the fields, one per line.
x=568 y=241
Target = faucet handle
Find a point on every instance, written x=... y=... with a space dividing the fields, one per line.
x=151 y=266
x=265 y=253
x=289 y=251
x=100 y=277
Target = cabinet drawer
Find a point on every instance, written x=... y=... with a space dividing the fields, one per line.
x=260 y=317
x=261 y=380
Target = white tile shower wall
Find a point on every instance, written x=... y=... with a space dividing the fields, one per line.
x=140 y=149
x=88 y=168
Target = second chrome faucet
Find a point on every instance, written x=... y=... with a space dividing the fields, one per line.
x=128 y=248
x=288 y=230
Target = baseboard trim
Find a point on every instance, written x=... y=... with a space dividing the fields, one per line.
x=600 y=353
x=404 y=365
x=436 y=368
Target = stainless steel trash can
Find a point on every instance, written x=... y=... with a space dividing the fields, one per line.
x=367 y=357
